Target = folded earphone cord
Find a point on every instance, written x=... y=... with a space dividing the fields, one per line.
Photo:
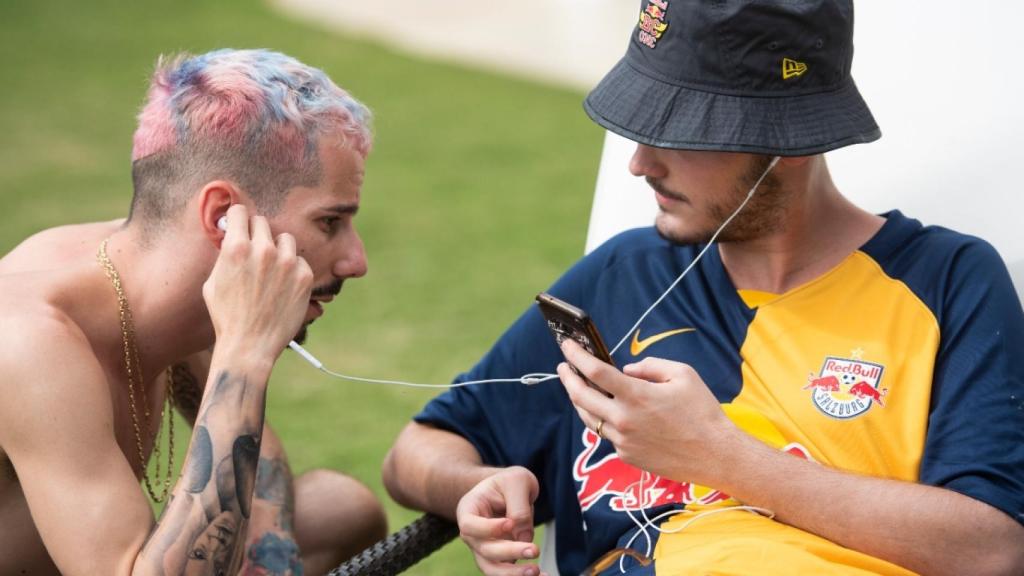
x=650 y=522
x=697 y=516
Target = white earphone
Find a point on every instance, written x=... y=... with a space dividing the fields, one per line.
x=222 y=223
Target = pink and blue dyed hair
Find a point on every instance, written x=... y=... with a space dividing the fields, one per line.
x=254 y=117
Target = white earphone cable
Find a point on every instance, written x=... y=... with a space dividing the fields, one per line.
x=538 y=377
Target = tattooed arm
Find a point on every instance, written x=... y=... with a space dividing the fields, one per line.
x=202 y=527
x=257 y=295
x=270 y=547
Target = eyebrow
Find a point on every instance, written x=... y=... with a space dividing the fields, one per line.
x=342 y=209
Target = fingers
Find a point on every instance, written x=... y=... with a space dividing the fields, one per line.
x=600 y=373
x=505 y=569
x=241 y=226
x=238 y=222
x=583 y=396
x=479 y=527
x=493 y=537
x=491 y=543
x=496 y=522
x=494 y=550
x=261 y=231
x=287 y=256
x=658 y=370
x=506 y=550
x=259 y=288
x=599 y=424
x=286 y=246
x=519 y=493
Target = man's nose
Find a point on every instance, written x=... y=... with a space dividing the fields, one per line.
x=644 y=162
x=353 y=263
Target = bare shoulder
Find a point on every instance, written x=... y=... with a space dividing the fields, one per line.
x=55 y=247
x=49 y=374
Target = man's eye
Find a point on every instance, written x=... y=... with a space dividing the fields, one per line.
x=197 y=554
x=329 y=223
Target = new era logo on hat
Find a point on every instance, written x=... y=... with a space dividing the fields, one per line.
x=792 y=68
x=760 y=76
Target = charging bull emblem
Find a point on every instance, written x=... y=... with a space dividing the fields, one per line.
x=630 y=488
x=846 y=388
x=652 y=23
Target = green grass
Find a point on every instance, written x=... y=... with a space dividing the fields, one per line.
x=477 y=197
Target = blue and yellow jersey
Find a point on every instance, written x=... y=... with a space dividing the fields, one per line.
x=898 y=363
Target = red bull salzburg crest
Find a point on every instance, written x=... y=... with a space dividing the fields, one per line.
x=847 y=387
x=652 y=23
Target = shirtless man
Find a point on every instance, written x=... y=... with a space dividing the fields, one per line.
x=98 y=314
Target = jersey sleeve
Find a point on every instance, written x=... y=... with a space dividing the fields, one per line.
x=975 y=439
x=511 y=423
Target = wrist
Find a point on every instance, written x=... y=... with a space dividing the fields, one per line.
x=240 y=360
x=472 y=477
x=745 y=459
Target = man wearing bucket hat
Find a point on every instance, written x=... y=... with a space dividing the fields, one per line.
x=821 y=390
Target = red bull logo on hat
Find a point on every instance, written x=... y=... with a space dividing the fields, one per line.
x=652 y=23
x=846 y=388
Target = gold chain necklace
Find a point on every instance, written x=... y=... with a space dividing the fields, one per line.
x=133 y=368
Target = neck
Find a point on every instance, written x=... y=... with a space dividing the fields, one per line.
x=163 y=285
x=819 y=230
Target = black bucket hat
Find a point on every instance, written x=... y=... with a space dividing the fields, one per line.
x=759 y=76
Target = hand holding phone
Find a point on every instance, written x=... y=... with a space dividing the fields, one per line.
x=567 y=321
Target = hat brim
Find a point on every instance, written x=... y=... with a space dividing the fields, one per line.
x=653 y=112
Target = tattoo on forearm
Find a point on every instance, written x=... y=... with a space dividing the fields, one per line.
x=274 y=484
x=244 y=454
x=200 y=461
x=272 y=480
x=275 y=555
x=209 y=523
x=227 y=389
x=214 y=550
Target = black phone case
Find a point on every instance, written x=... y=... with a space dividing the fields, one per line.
x=567 y=321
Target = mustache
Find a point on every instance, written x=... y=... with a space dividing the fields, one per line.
x=330 y=289
x=658 y=187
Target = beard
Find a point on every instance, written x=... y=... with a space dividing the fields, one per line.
x=764 y=213
x=330 y=289
x=300 y=336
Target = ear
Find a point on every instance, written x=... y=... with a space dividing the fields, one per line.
x=213 y=202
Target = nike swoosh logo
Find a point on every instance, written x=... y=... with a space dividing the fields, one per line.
x=637 y=345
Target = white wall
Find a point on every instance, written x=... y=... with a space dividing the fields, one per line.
x=943 y=79
x=562 y=42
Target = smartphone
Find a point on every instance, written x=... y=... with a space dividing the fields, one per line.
x=567 y=321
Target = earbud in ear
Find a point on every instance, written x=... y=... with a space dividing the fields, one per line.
x=222 y=223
